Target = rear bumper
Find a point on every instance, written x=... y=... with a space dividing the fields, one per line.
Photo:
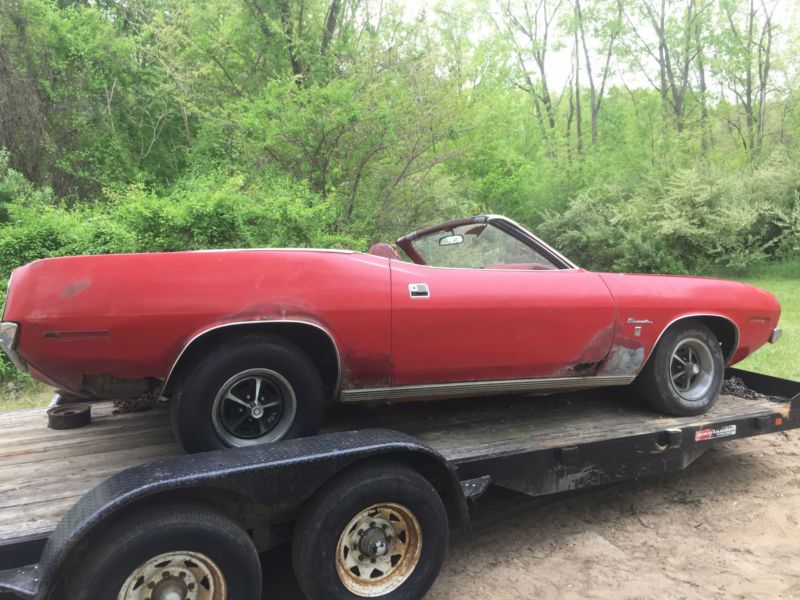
x=8 y=342
x=775 y=335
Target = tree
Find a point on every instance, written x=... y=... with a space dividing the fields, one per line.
x=745 y=65
x=530 y=27
x=673 y=49
x=607 y=24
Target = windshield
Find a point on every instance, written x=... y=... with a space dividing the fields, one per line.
x=478 y=246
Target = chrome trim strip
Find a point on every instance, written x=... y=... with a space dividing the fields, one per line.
x=480 y=388
x=689 y=316
x=264 y=322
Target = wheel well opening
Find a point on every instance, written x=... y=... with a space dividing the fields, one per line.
x=312 y=340
x=725 y=331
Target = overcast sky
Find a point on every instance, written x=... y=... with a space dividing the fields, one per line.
x=559 y=60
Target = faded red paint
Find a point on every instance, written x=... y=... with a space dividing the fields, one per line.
x=477 y=324
x=665 y=298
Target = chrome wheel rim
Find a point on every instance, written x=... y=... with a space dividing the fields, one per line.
x=378 y=550
x=256 y=406
x=176 y=576
x=691 y=369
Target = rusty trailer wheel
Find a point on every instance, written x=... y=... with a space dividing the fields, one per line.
x=171 y=552
x=375 y=531
x=176 y=576
x=378 y=550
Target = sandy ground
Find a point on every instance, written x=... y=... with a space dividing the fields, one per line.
x=727 y=527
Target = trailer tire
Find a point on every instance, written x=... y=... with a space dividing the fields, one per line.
x=203 y=416
x=685 y=372
x=197 y=542
x=387 y=513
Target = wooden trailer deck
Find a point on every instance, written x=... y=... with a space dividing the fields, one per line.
x=43 y=471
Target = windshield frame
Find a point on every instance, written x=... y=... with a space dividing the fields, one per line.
x=504 y=224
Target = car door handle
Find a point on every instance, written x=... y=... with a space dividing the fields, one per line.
x=418 y=290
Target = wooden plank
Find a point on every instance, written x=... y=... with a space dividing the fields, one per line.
x=463 y=429
x=42 y=471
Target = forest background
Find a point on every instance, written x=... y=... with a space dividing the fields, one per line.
x=633 y=135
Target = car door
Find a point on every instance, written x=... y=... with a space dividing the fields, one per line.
x=499 y=322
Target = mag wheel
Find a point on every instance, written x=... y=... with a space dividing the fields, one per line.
x=377 y=531
x=179 y=552
x=255 y=406
x=691 y=369
x=252 y=391
x=685 y=372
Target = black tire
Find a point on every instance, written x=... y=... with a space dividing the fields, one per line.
x=200 y=427
x=321 y=527
x=138 y=538
x=654 y=383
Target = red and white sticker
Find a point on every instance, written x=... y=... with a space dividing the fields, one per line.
x=714 y=433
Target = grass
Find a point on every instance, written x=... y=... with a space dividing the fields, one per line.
x=27 y=393
x=783 y=280
x=781 y=359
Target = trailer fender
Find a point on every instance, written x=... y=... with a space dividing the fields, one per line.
x=271 y=475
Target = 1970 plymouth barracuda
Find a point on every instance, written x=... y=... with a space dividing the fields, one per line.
x=252 y=345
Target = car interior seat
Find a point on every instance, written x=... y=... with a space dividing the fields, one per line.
x=384 y=250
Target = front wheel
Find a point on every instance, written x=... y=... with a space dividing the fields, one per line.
x=377 y=531
x=685 y=372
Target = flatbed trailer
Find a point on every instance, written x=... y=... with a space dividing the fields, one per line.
x=62 y=493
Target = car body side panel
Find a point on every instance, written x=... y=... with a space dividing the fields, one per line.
x=650 y=303
x=125 y=318
x=488 y=324
x=113 y=326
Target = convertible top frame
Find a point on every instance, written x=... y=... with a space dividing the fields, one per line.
x=505 y=224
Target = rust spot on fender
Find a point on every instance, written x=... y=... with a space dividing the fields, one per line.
x=75 y=288
x=591 y=357
x=374 y=371
x=622 y=360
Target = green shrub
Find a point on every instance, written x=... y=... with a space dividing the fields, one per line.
x=692 y=221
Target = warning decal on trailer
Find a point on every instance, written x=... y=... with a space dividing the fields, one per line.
x=711 y=433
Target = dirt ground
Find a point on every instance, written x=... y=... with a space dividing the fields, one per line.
x=727 y=527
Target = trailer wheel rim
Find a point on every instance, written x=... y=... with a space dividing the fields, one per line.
x=691 y=369
x=176 y=576
x=378 y=550
x=256 y=406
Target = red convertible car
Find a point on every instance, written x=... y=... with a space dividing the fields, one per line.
x=252 y=345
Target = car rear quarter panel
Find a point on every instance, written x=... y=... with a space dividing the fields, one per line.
x=129 y=316
x=665 y=299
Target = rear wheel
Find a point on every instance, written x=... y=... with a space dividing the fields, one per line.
x=377 y=531
x=253 y=391
x=685 y=372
